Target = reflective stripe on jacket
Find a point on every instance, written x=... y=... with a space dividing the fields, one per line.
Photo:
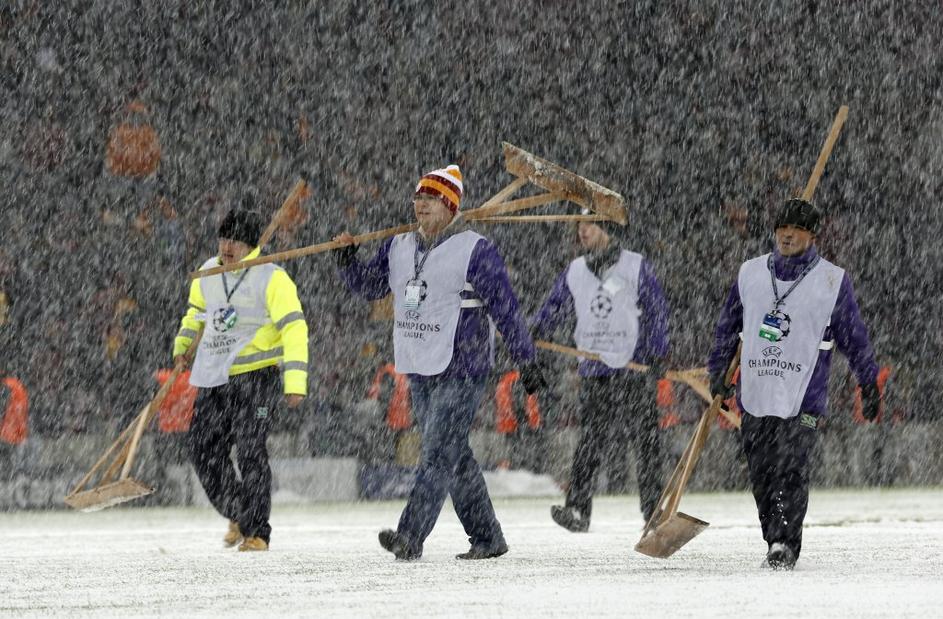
x=283 y=341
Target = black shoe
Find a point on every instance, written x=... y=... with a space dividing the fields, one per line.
x=397 y=544
x=781 y=557
x=569 y=518
x=484 y=552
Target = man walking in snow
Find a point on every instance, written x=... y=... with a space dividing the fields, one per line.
x=621 y=315
x=790 y=308
x=448 y=284
x=253 y=326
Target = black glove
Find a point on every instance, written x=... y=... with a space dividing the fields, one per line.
x=870 y=401
x=719 y=386
x=533 y=379
x=343 y=256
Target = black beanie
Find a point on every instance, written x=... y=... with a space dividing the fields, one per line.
x=799 y=213
x=241 y=225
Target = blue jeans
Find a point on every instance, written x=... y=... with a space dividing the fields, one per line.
x=444 y=409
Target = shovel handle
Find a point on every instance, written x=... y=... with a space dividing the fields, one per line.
x=678 y=376
x=825 y=153
x=304 y=251
x=700 y=435
x=495 y=206
x=296 y=196
x=155 y=403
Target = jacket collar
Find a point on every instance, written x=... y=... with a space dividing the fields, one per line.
x=600 y=260
x=255 y=253
x=789 y=268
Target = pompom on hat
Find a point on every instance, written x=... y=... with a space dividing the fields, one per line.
x=445 y=183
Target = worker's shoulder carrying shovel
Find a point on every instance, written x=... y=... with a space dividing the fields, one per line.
x=668 y=529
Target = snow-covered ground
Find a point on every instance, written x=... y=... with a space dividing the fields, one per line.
x=866 y=554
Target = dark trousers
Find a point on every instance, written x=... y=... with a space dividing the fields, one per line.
x=778 y=454
x=445 y=409
x=238 y=413
x=613 y=408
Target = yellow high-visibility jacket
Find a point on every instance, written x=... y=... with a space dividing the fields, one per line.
x=283 y=340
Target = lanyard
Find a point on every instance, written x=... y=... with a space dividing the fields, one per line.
x=234 y=288
x=417 y=263
x=772 y=278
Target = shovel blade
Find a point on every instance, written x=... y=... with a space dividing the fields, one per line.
x=108 y=495
x=669 y=536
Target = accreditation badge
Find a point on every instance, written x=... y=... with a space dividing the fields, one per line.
x=772 y=328
x=415 y=294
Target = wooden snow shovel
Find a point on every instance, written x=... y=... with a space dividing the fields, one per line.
x=668 y=529
x=693 y=378
x=559 y=185
x=109 y=491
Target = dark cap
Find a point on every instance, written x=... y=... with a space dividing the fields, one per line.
x=799 y=213
x=241 y=225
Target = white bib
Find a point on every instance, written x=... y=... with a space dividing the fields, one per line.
x=222 y=340
x=607 y=312
x=774 y=376
x=424 y=336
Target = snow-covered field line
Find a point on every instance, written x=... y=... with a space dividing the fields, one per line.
x=866 y=554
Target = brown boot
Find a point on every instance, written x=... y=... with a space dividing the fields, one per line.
x=252 y=544
x=233 y=535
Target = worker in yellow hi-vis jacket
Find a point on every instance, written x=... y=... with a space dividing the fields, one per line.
x=253 y=324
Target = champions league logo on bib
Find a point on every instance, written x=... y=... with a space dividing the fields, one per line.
x=225 y=319
x=601 y=306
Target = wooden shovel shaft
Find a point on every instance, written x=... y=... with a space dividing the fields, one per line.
x=688 y=377
x=700 y=435
x=296 y=196
x=513 y=206
x=509 y=190
x=155 y=404
x=473 y=215
x=305 y=251
x=670 y=498
x=525 y=219
x=575 y=352
x=825 y=153
x=637 y=367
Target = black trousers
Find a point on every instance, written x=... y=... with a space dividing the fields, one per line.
x=613 y=408
x=779 y=454
x=238 y=414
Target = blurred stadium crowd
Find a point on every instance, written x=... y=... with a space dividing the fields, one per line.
x=703 y=115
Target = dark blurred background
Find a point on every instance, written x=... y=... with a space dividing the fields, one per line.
x=704 y=115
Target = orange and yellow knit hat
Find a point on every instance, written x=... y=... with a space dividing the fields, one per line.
x=445 y=183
